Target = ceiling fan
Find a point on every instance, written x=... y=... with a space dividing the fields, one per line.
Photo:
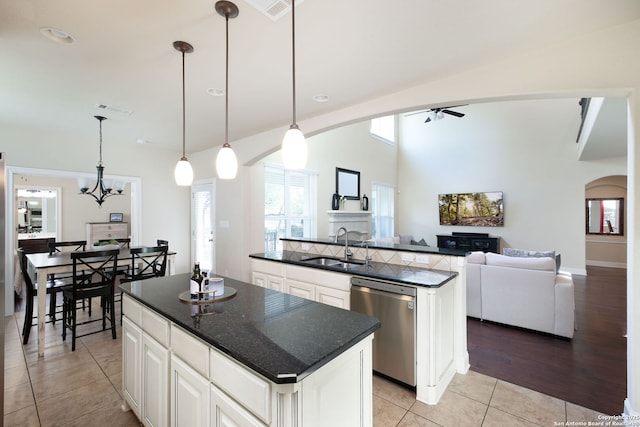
x=438 y=113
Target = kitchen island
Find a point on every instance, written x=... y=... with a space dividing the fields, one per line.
x=438 y=276
x=253 y=357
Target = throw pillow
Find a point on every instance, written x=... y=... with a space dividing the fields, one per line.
x=421 y=242
x=523 y=253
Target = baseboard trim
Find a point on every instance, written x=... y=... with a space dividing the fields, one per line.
x=606 y=264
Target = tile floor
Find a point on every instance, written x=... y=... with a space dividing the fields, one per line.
x=82 y=388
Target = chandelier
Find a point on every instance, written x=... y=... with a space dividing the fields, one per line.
x=103 y=188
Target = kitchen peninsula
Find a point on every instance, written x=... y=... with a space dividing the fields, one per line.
x=310 y=267
x=254 y=357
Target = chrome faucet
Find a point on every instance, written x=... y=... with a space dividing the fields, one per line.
x=347 y=251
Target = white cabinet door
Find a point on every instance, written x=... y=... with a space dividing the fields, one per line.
x=131 y=373
x=333 y=297
x=259 y=279
x=301 y=289
x=155 y=383
x=189 y=396
x=275 y=283
x=227 y=413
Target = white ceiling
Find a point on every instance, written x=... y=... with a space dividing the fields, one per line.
x=348 y=50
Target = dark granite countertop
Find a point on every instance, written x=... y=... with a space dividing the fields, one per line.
x=280 y=336
x=383 y=245
x=375 y=270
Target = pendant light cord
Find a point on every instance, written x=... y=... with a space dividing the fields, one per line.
x=226 y=87
x=293 y=49
x=184 y=157
x=100 y=119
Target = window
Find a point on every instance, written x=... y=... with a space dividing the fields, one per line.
x=289 y=205
x=384 y=128
x=382 y=208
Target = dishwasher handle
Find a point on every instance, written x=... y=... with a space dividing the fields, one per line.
x=383 y=286
x=385 y=294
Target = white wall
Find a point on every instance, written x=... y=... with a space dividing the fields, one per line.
x=76 y=210
x=526 y=149
x=164 y=205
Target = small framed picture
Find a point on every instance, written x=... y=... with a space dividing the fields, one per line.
x=115 y=217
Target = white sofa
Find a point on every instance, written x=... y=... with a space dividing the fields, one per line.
x=520 y=291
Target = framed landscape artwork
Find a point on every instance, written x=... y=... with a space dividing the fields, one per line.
x=472 y=209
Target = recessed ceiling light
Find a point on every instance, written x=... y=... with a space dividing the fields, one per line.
x=143 y=141
x=57 y=36
x=321 y=98
x=215 y=92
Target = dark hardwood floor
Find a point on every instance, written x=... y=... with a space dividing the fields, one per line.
x=589 y=370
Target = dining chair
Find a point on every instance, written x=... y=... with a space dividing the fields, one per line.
x=122 y=242
x=31 y=293
x=61 y=279
x=161 y=242
x=100 y=283
x=147 y=262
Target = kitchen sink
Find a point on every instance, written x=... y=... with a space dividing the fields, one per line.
x=331 y=262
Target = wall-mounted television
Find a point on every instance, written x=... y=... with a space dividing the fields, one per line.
x=472 y=209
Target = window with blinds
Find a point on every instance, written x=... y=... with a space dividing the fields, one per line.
x=382 y=210
x=289 y=205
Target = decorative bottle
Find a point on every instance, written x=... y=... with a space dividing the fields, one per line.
x=335 y=201
x=365 y=203
x=205 y=284
x=195 y=282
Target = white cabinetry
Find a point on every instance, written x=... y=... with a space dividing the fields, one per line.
x=170 y=377
x=155 y=368
x=310 y=283
x=227 y=413
x=267 y=274
x=106 y=230
x=131 y=362
x=301 y=289
x=145 y=363
x=189 y=395
x=318 y=285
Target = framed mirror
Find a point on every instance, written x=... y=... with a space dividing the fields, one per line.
x=37 y=211
x=348 y=183
x=605 y=216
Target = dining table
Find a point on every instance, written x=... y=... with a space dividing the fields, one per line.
x=42 y=264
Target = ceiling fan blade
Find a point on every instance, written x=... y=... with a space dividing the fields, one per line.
x=453 y=113
x=415 y=112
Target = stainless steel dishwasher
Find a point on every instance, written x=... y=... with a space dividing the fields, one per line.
x=394 y=353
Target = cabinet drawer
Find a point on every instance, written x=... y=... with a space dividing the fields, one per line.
x=319 y=277
x=269 y=267
x=241 y=384
x=132 y=309
x=156 y=326
x=190 y=349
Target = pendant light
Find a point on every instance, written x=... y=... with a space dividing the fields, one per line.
x=294 y=146
x=226 y=161
x=183 y=172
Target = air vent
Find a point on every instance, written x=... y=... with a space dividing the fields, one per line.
x=274 y=9
x=114 y=109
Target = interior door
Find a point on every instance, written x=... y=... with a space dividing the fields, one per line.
x=202 y=225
